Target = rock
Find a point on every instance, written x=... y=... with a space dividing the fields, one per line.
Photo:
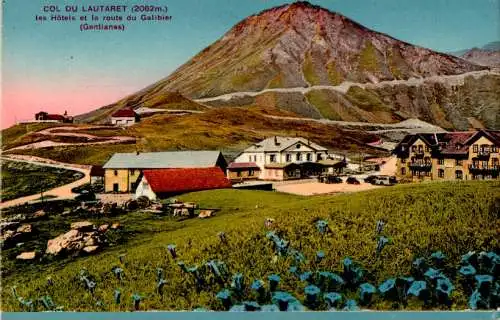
x=9 y=225
x=82 y=226
x=116 y=225
x=206 y=214
x=103 y=228
x=69 y=241
x=27 y=255
x=25 y=228
x=90 y=249
x=39 y=215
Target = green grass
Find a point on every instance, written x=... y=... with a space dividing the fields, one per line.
x=368 y=58
x=11 y=136
x=334 y=75
x=309 y=72
x=320 y=100
x=22 y=179
x=453 y=217
x=366 y=99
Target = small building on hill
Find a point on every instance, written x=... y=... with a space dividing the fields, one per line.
x=124 y=117
x=43 y=116
x=123 y=170
x=241 y=171
x=164 y=183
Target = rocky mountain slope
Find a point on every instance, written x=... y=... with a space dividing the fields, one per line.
x=300 y=45
x=487 y=55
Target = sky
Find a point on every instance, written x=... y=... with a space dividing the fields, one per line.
x=56 y=67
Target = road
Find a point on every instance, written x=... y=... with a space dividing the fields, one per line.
x=345 y=86
x=61 y=192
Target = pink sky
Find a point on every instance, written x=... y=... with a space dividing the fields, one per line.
x=21 y=101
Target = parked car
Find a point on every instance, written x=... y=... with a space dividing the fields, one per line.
x=384 y=180
x=352 y=180
x=329 y=178
x=85 y=195
x=370 y=179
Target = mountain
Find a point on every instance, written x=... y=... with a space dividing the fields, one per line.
x=487 y=55
x=295 y=47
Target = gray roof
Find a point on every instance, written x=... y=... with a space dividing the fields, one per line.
x=162 y=160
x=269 y=145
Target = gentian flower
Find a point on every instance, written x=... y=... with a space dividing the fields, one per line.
x=136 y=298
x=117 y=296
x=269 y=308
x=283 y=299
x=237 y=308
x=438 y=258
x=171 y=249
x=366 y=291
x=274 y=280
x=159 y=274
x=478 y=301
x=382 y=242
x=467 y=271
x=312 y=293
x=351 y=305
x=319 y=256
x=420 y=265
x=225 y=297
x=444 y=288
x=237 y=283
x=380 y=226
x=484 y=283
x=333 y=299
x=469 y=258
x=251 y=306
x=118 y=272
x=160 y=285
x=306 y=276
x=388 y=288
x=322 y=226
x=418 y=289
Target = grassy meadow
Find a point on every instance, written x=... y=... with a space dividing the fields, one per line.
x=22 y=179
x=453 y=217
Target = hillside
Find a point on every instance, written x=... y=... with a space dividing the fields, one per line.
x=299 y=45
x=228 y=129
x=420 y=219
x=487 y=55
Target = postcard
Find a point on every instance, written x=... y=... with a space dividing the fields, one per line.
x=335 y=158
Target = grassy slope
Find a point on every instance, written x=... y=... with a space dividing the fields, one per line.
x=22 y=179
x=228 y=129
x=452 y=217
x=14 y=135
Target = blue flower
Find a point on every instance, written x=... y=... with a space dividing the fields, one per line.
x=269 y=308
x=118 y=272
x=366 y=291
x=251 y=306
x=312 y=292
x=306 y=276
x=237 y=283
x=483 y=283
x=117 y=295
x=225 y=297
x=382 y=242
x=438 y=258
x=418 y=289
x=351 y=305
x=328 y=280
x=420 y=265
x=136 y=298
x=470 y=258
x=380 y=226
x=388 y=288
x=467 y=271
x=444 y=288
x=237 y=308
x=433 y=274
x=182 y=266
x=283 y=299
x=274 y=280
x=322 y=226
x=159 y=274
x=319 y=256
x=477 y=301
x=333 y=299
x=160 y=285
x=294 y=270
x=171 y=249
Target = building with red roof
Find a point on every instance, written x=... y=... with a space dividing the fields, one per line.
x=124 y=117
x=162 y=183
x=43 y=116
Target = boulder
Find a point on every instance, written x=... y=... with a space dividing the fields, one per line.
x=103 y=228
x=39 y=215
x=116 y=225
x=206 y=214
x=9 y=225
x=25 y=228
x=90 y=249
x=27 y=255
x=69 y=241
x=82 y=226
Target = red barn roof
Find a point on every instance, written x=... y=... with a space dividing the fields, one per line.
x=237 y=165
x=124 y=113
x=186 y=180
x=57 y=117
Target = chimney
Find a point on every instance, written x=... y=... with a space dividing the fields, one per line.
x=275 y=140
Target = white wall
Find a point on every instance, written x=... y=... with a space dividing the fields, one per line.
x=123 y=121
x=143 y=189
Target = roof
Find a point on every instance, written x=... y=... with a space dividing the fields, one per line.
x=124 y=113
x=237 y=165
x=162 y=160
x=55 y=117
x=277 y=144
x=330 y=162
x=186 y=180
x=280 y=165
x=97 y=171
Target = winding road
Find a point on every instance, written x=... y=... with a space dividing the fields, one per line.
x=61 y=192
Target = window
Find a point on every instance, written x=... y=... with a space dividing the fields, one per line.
x=458 y=162
x=427 y=149
x=485 y=164
x=459 y=175
x=441 y=173
x=475 y=148
x=441 y=161
x=308 y=157
x=116 y=172
x=132 y=172
x=298 y=146
x=272 y=158
x=414 y=148
x=494 y=149
x=288 y=157
x=420 y=149
x=249 y=158
x=403 y=171
x=299 y=157
x=251 y=172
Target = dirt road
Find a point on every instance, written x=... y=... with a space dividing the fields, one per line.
x=62 y=192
